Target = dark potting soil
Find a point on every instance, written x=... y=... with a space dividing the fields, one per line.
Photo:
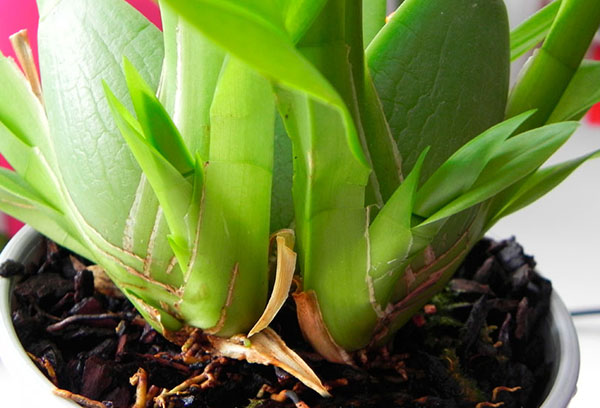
x=474 y=345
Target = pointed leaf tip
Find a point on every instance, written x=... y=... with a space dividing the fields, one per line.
x=157 y=125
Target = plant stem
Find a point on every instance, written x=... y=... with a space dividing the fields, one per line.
x=549 y=72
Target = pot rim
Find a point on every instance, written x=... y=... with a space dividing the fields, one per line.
x=26 y=244
x=566 y=372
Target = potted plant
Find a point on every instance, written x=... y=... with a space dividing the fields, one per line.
x=166 y=158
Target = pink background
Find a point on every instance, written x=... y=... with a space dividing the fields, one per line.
x=16 y=15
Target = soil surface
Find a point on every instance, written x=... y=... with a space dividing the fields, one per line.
x=474 y=345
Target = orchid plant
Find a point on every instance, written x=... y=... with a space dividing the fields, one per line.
x=180 y=161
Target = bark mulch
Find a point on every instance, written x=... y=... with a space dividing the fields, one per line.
x=475 y=345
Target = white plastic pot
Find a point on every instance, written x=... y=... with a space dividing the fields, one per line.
x=36 y=390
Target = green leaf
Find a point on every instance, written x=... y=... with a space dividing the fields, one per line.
x=20 y=111
x=429 y=98
x=157 y=126
x=19 y=200
x=247 y=33
x=533 y=30
x=389 y=233
x=331 y=222
x=31 y=165
x=546 y=77
x=329 y=183
x=14 y=183
x=379 y=142
x=82 y=42
x=227 y=278
x=299 y=15
x=282 y=202
x=462 y=169
x=374 y=13
x=173 y=191
x=536 y=186
x=520 y=156
x=581 y=94
x=187 y=92
x=390 y=237
x=24 y=134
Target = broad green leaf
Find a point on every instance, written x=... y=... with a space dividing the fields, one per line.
x=536 y=186
x=157 y=126
x=390 y=237
x=546 y=77
x=462 y=169
x=243 y=30
x=533 y=30
x=173 y=191
x=82 y=42
x=374 y=13
x=429 y=98
x=581 y=94
x=520 y=156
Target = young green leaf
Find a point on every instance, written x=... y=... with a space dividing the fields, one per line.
x=536 y=186
x=157 y=126
x=533 y=30
x=172 y=189
x=519 y=156
x=330 y=184
x=462 y=169
x=390 y=237
x=379 y=142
